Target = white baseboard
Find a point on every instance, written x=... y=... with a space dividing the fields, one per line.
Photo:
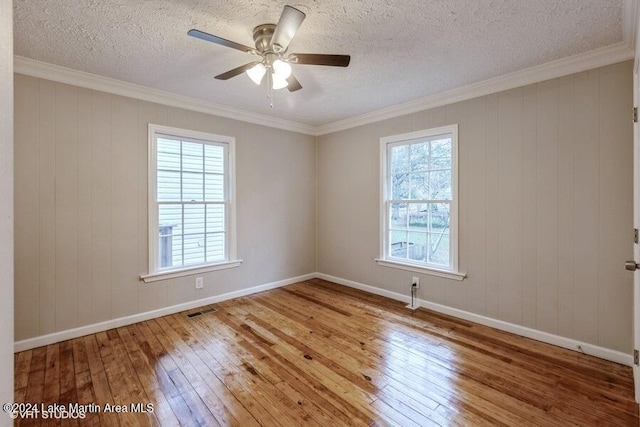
x=140 y=317
x=568 y=343
x=571 y=344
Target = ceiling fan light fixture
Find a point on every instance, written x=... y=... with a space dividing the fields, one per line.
x=256 y=73
x=281 y=69
x=279 y=82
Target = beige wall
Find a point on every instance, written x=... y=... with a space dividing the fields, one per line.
x=81 y=207
x=6 y=205
x=545 y=206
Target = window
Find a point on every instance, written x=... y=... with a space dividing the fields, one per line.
x=419 y=219
x=191 y=202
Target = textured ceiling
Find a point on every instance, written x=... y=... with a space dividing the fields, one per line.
x=400 y=50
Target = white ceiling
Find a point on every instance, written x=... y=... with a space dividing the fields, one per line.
x=401 y=50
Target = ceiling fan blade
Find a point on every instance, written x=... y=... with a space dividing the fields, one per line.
x=294 y=84
x=219 y=40
x=320 y=59
x=288 y=25
x=236 y=71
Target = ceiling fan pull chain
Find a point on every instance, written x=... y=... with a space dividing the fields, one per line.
x=270 y=86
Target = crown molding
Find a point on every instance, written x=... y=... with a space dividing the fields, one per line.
x=43 y=70
x=573 y=64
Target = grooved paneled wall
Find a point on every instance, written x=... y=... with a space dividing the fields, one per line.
x=545 y=187
x=81 y=207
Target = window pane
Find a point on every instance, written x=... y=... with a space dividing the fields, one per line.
x=170 y=251
x=215 y=246
x=192 y=187
x=192 y=157
x=399 y=161
x=214 y=187
x=193 y=249
x=400 y=186
x=419 y=156
x=419 y=186
x=213 y=158
x=417 y=246
x=398 y=243
x=169 y=219
x=176 y=251
x=439 y=248
x=193 y=219
x=439 y=217
x=418 y=215
x=398 y=215
x=440 y=185
x=441 y=154
x=168 y=154
x=215 y=218
x=168 y=186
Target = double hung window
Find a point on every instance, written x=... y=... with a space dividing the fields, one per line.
x=191 y=200
x=419 y=218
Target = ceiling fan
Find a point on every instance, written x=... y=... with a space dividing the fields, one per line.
x=273 y=60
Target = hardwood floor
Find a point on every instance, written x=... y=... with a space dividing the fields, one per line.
x=319 y=354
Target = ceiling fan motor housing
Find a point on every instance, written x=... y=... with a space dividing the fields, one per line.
x=262 y=35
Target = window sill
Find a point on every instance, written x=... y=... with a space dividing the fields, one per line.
x=189 y=271
x=455 y=275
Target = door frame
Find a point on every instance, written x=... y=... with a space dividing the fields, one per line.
x=635 y=42
x=636 y=225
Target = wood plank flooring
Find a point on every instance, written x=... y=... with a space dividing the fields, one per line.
x=319 y=354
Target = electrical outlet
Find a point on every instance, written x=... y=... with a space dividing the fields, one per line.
x=416 y=280
x=199 y=282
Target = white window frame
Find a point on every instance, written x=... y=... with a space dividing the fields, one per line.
x=419 y=267
x=231 y=259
